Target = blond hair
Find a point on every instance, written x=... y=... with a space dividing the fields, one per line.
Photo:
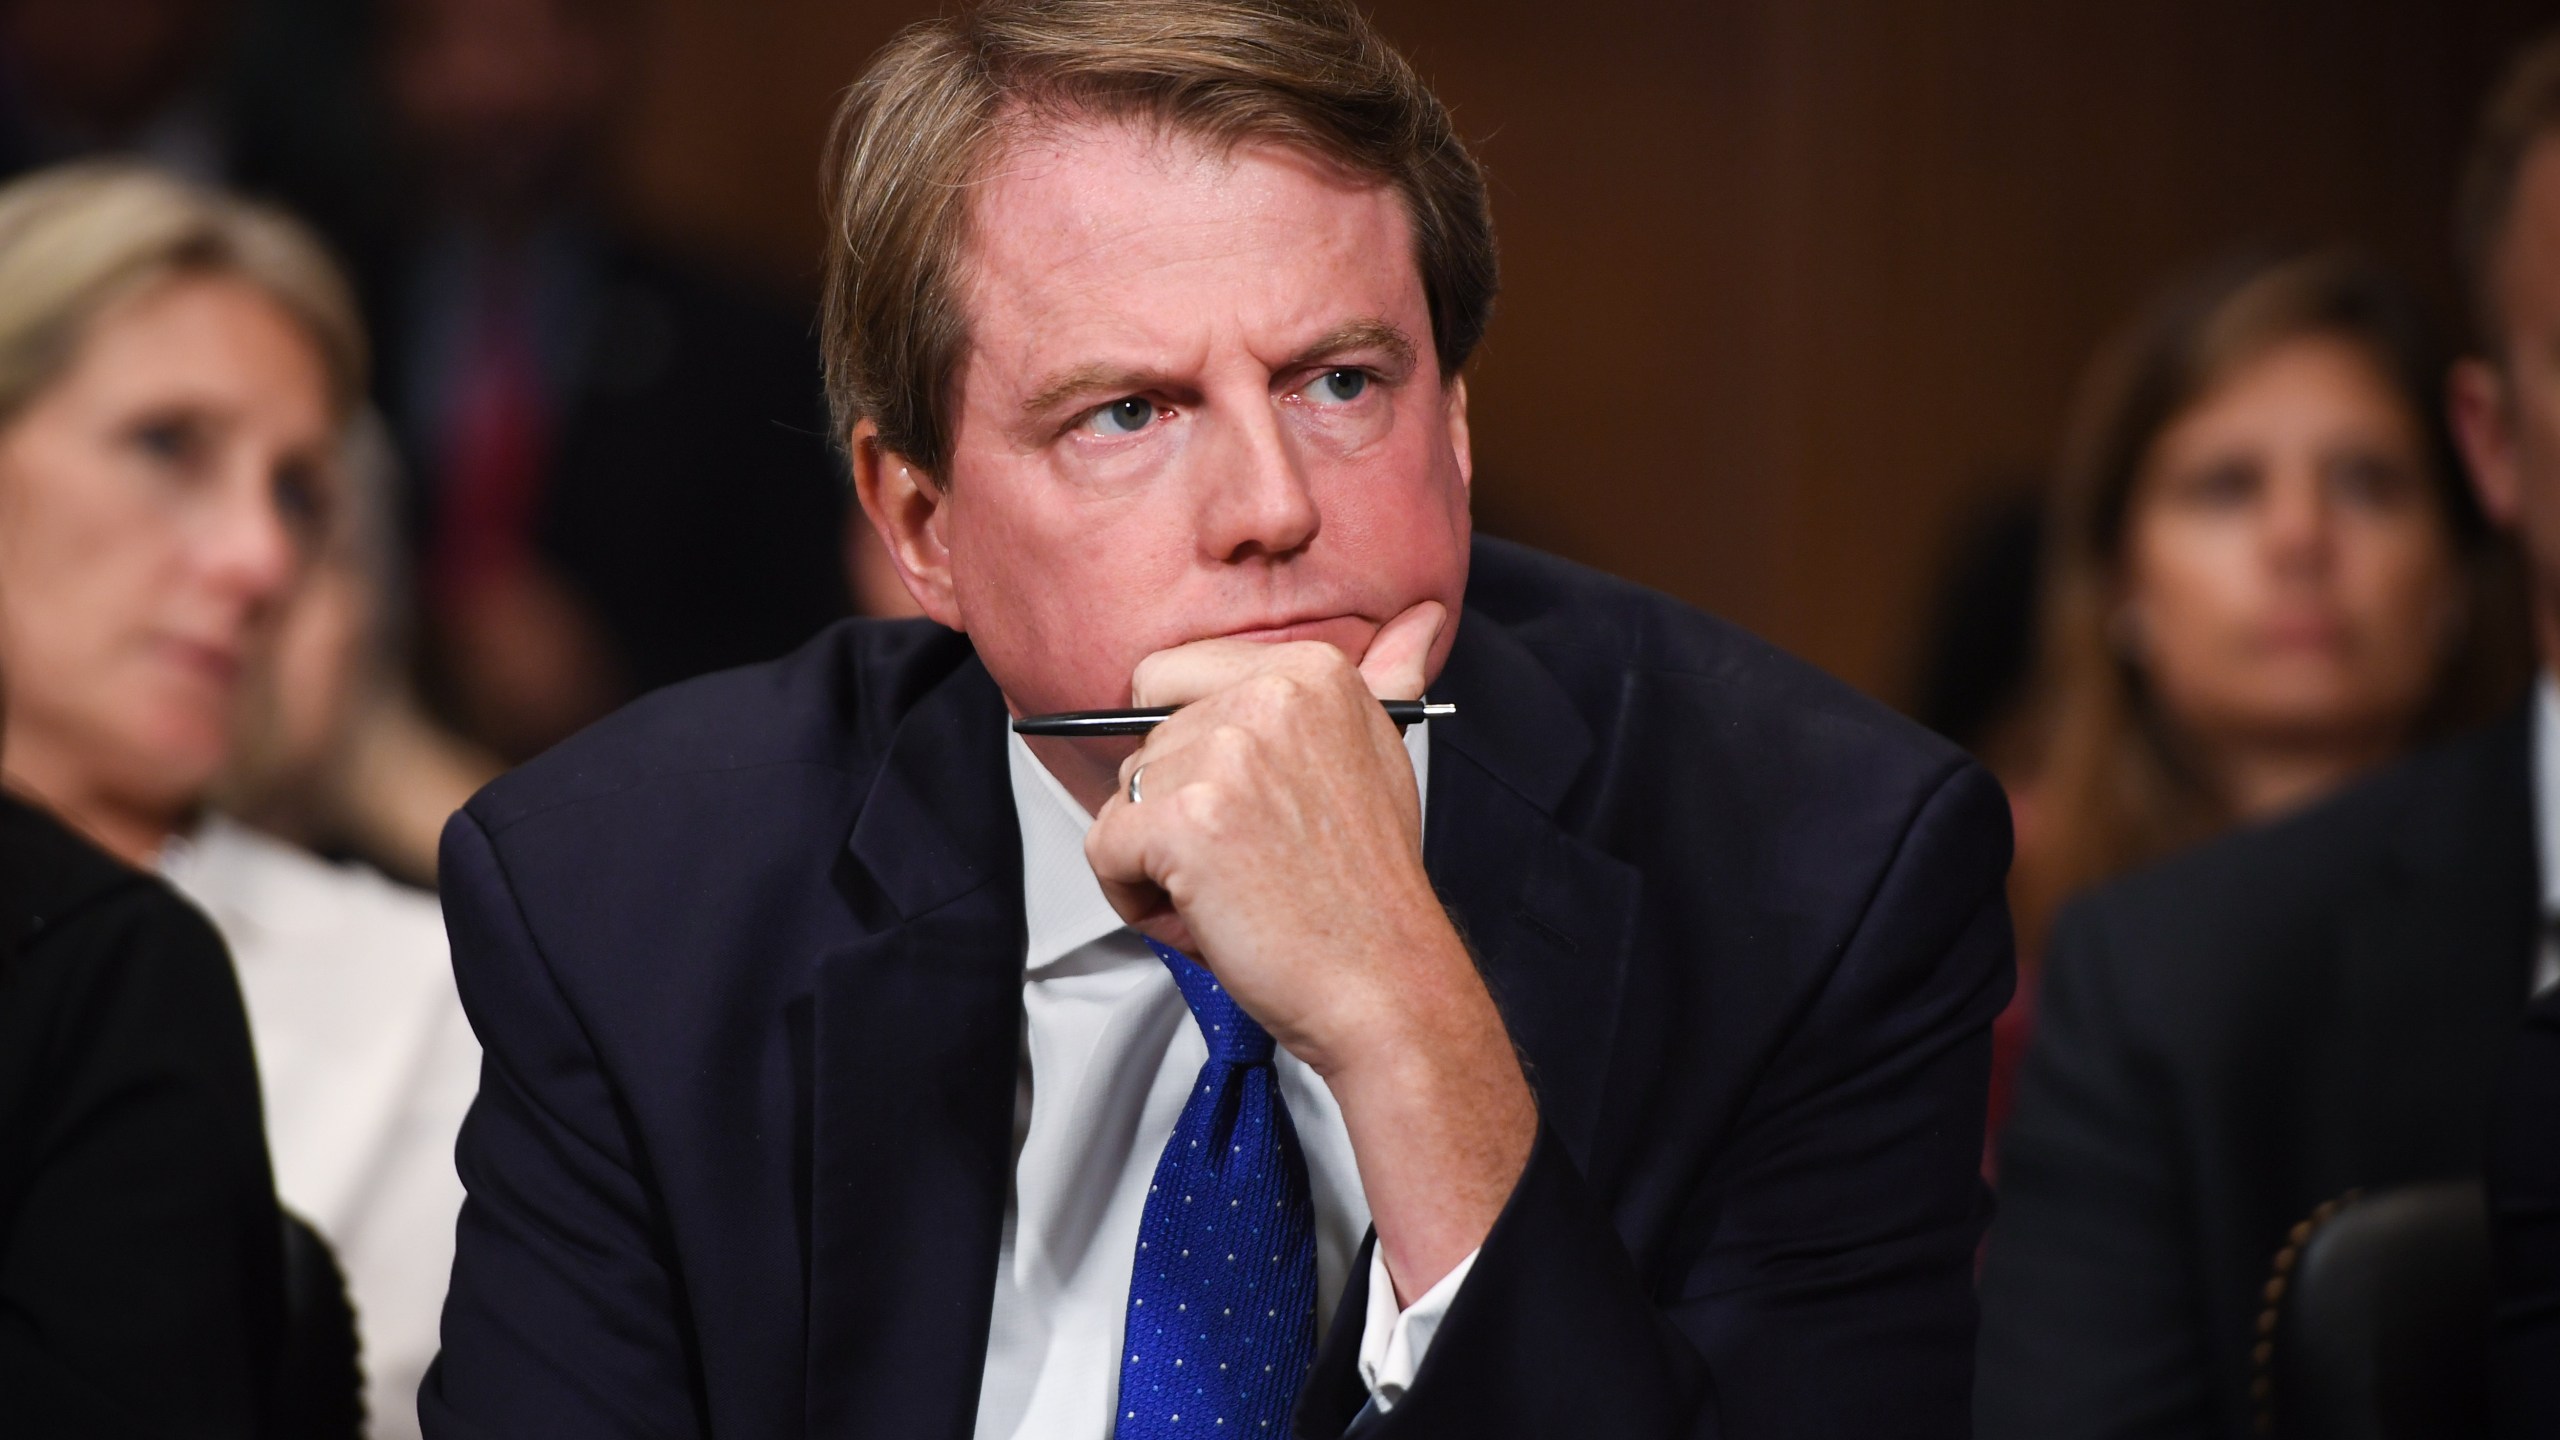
x=77 y=240
x=917 y=131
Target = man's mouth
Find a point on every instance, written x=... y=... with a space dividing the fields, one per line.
x=1347 y=633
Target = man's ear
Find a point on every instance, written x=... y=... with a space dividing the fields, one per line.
x=2476 y=403
x=1460 y=443
x=906 y=506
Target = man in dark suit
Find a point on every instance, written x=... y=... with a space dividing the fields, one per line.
x=2244 y=1033
x=2524 y=1212
x=2227 y=1041
x=1606 y=1058
x=2516 y=402
x=621 y=476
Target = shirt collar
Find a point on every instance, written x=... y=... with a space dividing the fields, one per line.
x=1062 y=904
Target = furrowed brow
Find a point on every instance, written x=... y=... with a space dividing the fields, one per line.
x=1358 y=335
x=1104 y=381
x=1097 y=381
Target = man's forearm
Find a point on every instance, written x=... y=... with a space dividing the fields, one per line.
x=1441 y=1120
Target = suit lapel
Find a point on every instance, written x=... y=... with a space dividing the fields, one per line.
x=2437 y=962
x=915 y=1037
x=1550 y=917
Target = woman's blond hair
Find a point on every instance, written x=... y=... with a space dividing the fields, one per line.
x=77 y=240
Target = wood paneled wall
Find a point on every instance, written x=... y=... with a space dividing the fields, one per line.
x=1788 y=283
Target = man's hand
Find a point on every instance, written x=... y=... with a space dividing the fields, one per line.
x=1279 y=839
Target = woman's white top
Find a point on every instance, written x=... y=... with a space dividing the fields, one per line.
x=366 y=1065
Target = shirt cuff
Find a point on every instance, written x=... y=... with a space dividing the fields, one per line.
x=1392 y=1344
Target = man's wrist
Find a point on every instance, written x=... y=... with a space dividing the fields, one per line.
x=1442 y=1120
x=1423 y=1005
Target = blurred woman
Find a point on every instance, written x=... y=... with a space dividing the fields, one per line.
x=2265 y=575
x=177 y=372
x=335 y=752
x=140 y=1273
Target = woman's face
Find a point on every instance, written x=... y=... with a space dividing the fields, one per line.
x=2290 y=576
x=158 y=503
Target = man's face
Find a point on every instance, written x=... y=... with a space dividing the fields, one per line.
x=1200 y=400
x=2508 y=413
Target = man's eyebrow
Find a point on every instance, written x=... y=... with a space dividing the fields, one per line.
x=1353 y=335
x=1359 y=335
x=1084 y=380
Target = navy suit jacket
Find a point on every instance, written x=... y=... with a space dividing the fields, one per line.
x=2524 y=1215
x=2224 y=1042
x=747 y=963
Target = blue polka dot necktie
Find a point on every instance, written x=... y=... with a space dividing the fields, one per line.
x=1222 y=1303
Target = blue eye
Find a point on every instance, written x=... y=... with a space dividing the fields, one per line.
x=1126 y=416
x=1338 y=387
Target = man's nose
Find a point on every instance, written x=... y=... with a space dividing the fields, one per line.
x=1257 y=500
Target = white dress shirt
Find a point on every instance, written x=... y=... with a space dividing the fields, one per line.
x=2546 y=823
x=366 y=1065
x=1109 y=1056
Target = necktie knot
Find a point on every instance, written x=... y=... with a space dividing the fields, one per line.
x=1234 y=1037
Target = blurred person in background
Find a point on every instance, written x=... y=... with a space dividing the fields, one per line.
x=176 y=373
x=2507 y=404
x=622 y=472
x=2266 y=575
x=141 y=1278
x=2524 y=1207
x=336 y=754
x=341 y=758
x=2231 y=1039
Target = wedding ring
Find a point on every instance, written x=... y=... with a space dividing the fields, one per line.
x=1133 y=782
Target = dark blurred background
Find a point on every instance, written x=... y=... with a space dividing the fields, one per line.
x=1794 y=289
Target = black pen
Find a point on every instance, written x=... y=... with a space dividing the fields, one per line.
x=1139 y=722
